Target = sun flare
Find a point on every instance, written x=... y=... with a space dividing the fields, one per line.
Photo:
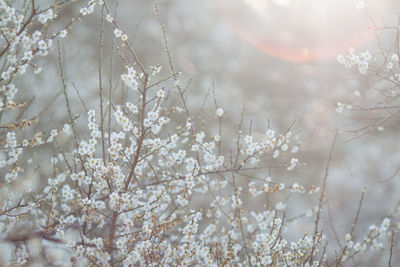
x=303 y=31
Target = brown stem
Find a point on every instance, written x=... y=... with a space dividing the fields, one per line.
x=133 y=167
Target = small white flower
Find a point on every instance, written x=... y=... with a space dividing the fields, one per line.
x=67 y=129
x=161 y=93
x=36 y=35
x=219 y=112
x=124 y=37
x=284 y=147
x=109 y=18
x=132 y=107
x=340 y=107
x=63 y=33
x=27 y=55
x=117 y=33
x=340 y=59
x=42 y=19
x=248 y=139
x=83 y=11
x=42 y=45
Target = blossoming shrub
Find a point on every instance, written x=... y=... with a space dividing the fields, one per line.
x=147 y=183
x=374 y=103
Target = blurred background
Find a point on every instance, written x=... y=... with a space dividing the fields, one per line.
x=277 y=58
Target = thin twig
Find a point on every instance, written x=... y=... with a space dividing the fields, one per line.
x=322 y=196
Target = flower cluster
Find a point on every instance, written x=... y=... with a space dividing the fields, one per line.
x=129 y=78
x=141 y=188
x=88 y=9
x=362 y=60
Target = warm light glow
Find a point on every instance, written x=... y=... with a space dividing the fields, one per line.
x=305 y=30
